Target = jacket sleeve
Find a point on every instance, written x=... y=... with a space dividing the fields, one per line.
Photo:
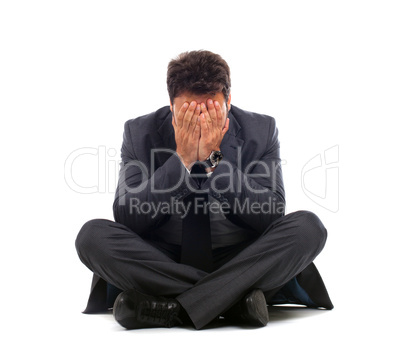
x=145 y=194
x=253 y=193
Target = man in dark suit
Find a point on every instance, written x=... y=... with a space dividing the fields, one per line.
x=200 y=230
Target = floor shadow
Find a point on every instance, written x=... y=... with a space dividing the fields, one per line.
x=279 y=313
x=286 y=312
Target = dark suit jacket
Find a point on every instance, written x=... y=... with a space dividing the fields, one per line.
x=250 y=169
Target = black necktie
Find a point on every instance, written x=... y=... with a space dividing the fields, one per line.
x=196 y=247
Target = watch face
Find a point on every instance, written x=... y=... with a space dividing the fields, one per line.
x=216 y=157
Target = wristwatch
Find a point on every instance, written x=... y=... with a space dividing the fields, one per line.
x=214 y=158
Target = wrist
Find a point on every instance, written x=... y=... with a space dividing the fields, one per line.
x=206 y=155
x=186 y=162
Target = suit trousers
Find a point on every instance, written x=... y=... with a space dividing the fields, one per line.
x=122 y=258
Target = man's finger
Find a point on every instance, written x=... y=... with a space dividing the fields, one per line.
x=196 y=115
x=218 y=114
x=197 y=130
x=204 y=125
x=212 y=111
x=189 y=115
x=206 y=115
x=180 y=114
x=226 y=127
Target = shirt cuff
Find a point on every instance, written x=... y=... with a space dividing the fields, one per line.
x=186 y=168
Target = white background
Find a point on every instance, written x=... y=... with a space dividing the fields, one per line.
x=71 y=74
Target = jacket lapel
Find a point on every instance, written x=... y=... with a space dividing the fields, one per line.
x=232 y=142
x=166 y=133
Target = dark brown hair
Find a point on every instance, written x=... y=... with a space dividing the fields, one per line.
x=198 y=72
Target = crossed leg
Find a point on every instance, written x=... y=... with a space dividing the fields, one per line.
x=124 y=259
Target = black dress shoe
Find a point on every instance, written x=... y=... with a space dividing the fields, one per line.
x=251 y=310
x=133 y=309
